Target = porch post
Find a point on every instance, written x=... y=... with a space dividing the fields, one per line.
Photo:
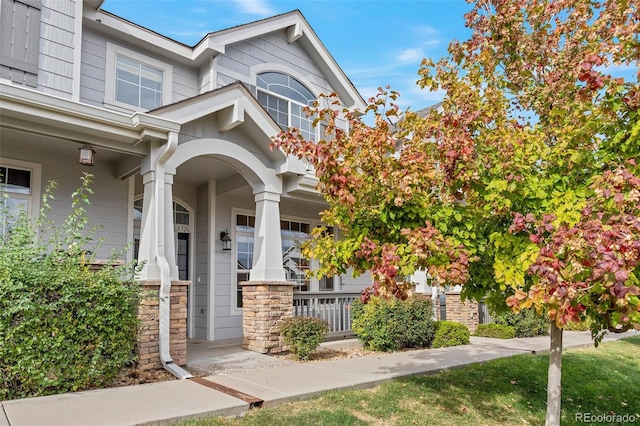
x=169 y=231
x=148 y=236
x=267 y=299
x=267 y=242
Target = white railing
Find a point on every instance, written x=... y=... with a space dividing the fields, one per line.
x=333 y=307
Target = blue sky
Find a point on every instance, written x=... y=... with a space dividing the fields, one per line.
x=377 y=43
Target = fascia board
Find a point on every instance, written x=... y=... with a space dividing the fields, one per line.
x=140 y=36
x=218 y=41
x=200 y=106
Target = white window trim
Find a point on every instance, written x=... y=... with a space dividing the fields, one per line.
x=36 y=183
x=263 y=68
x=314 y=283
x=110 y=76
x=234 y=259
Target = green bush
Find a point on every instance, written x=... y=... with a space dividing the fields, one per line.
x=391 y=324
x=579 y=326
x=527 y=323
x=303 y=335
x=449 y=333
x=498 y=331
x=62 y=327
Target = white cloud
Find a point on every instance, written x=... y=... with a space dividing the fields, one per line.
x=425 y=31
x=255 y=7
x=412 y=55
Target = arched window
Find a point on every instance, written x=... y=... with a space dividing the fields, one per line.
x=284 y=98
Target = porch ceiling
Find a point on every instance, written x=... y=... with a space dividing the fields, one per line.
x=202 y=169
x=26 y=141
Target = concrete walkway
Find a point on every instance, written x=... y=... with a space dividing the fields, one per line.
x=166 y=402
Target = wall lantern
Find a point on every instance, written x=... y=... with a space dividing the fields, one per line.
x=226 y=240
x=87 y=155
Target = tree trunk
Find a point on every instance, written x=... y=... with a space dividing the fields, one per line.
x=554 y=378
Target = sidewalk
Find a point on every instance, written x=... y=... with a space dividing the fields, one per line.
x=165 y=402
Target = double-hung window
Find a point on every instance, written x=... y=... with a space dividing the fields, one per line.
x=285 y=98
x=136 y=81
x=138 y=84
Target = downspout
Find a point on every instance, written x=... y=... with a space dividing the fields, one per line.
x=163 y=265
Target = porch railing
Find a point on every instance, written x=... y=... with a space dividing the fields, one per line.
x=484 y=316
x=333 y=307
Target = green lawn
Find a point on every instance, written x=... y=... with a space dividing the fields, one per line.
x=508 y=391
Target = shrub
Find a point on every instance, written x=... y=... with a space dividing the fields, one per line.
x=498 y=331
x=303 y=335
x=579 y=326
x=62 y=327
x=449 y=333
x=391 y=324
x=527 y=323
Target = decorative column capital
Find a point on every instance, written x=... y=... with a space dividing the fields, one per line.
x=266 y=196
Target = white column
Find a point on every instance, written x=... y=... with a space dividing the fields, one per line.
x=148 y=236
x=169 y=231
x=267 y=242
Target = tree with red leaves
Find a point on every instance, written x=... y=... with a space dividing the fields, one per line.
x=523 y=186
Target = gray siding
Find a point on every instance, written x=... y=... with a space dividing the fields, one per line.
x=185 y=82
x=109 y=202
x=200 y=283
x=204 y=78
x=228 y=320
x=92 y=73
x=207 y=128
x=57 y=47
x=272 y=48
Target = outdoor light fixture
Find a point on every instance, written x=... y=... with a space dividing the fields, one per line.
x=87 y=155
x=226 y=240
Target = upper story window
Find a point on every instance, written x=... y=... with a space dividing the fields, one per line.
x=284 y=98
x=138 y=84
x=135 y=81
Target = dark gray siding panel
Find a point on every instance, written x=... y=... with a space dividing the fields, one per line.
x=20 y=40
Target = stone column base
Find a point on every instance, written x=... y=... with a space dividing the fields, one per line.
x=147 y=347
x=265 y=304
x=464 y=312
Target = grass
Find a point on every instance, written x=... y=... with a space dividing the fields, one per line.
x=508 y=391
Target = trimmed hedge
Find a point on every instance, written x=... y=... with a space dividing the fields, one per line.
x=497 y=331
x=450 y=333
x=391 y=324
x=303 y=335
x=62 y=327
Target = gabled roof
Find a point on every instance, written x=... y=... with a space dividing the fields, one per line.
x=233 y=106
x=215 y=43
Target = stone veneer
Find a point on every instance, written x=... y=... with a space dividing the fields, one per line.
x=464 y=312
x=265 y=305
x=147 y=348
